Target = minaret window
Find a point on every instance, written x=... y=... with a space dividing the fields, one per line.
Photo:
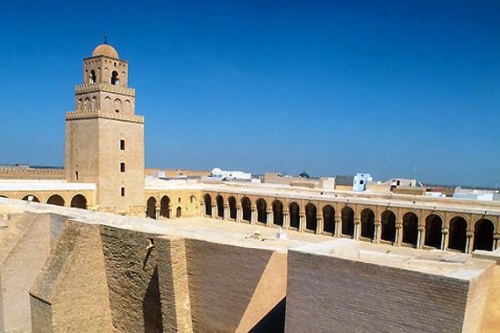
x=118 y=105
x=122 y=167
x=122 y=144
x=114 y=78
x=92 y=77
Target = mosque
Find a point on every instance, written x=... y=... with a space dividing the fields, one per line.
x=105 y=248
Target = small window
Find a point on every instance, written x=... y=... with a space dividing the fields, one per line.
x=122 y=167
x=76 y=175
x=114 y=78
x=122 y=144
x=178 y=199
x=93 y=77
x=123 y=191
x=361 y=182
x=117 y=111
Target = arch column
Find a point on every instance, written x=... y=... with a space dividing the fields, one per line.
x=420 y=237
x=214 y=211
x=377 y=233
x=444 y=238
x=157 y=212
x=226 y=212
x=496 y=241
x=399 y=233
x=252 y=214
x=270 y=217
x=285 y=219
x=469 y=242
x=170 y=211
x=302 y=221
x=357 y=228
x=338 y=226
x=319 y=224
x=238 y=213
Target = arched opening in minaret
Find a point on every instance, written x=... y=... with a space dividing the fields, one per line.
x=178 y=212
x=118 y=105
x=93 y=77
x=347 y=221
x=114 y=78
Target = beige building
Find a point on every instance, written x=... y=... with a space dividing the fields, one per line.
x=104 y=136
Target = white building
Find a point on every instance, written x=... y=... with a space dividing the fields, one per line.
x=360 y=180
x=229 y=175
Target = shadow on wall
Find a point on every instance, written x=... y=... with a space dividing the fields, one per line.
x=274 y=321
x=151 y=306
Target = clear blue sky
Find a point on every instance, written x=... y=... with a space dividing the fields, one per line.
x=333 y=87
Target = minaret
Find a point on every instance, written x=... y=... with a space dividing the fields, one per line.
x=104 y=136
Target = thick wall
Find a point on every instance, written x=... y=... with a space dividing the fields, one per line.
x=223 y=281
x=132 y=275
x=25 y=244
x=330 y=294
x=70 y=294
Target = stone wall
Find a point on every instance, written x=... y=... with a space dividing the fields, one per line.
x=327 y=293
x=91 y=277
x=25 y=244
x=70 y=294
x=234 y=288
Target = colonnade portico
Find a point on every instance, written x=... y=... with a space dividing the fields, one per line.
x=422 y=228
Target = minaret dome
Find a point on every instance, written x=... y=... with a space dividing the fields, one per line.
x=105 y=50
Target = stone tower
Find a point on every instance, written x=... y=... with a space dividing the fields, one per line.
x=104 y=136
